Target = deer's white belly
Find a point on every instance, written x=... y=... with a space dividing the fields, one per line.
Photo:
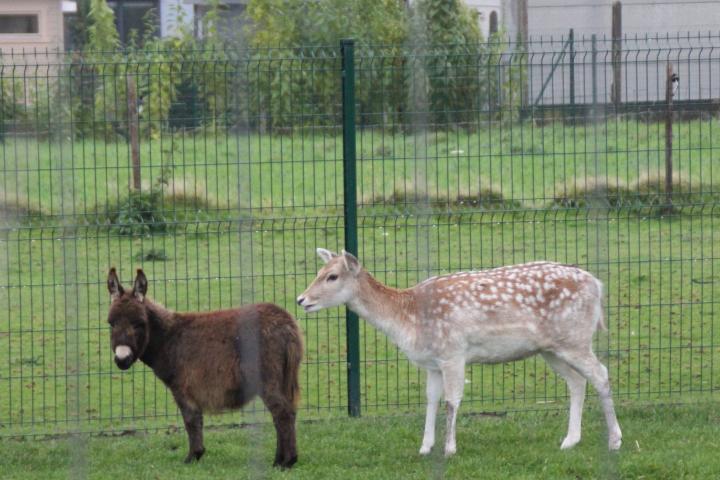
x=423 y=359
x=497 y=349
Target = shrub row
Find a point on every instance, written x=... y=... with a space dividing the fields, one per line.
x=158 y=210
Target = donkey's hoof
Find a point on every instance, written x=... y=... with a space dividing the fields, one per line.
x=286 y=464
x=192 y=456
x=425 y=449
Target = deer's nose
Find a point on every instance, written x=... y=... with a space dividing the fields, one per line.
x=300 y=300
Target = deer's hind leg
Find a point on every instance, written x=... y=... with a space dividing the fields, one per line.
x=587 y=364
x=576 y=384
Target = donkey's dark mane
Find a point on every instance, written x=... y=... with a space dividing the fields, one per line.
x=160 y=316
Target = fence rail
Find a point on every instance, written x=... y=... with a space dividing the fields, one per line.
x=226 y=169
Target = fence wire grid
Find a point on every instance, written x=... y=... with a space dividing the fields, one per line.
x=220 y=172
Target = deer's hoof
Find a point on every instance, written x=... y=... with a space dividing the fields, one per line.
x=569 y=442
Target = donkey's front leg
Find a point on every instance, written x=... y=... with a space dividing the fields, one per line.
x=434 y=389
x=453 y=375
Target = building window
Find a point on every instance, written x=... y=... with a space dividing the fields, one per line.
x=25 y=23
x=493 y=22
x=131 y=16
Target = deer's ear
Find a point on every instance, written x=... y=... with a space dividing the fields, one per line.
x=326 y=255
x=113 y=284
x=351 y=262
x=140 y=286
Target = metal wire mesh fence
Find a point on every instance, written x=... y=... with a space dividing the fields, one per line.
x=220 y=172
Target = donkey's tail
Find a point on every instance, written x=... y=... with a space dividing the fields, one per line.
x=293 y=358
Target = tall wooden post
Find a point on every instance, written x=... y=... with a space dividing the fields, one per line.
x=522 y=18
x=523 y=37
x=133 y=132
x=668 y=139
x=616 y=91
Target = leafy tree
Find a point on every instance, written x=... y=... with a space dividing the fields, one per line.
x=107 y=69
x=304 y=25
x=102 y=34
x=79 y=26
x=449 y=22
x=449 y=84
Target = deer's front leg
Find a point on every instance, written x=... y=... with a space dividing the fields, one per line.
x=453 y=375
x=434 y=389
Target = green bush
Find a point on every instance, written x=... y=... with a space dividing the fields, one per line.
x=140 y=213
x=11 y=105
x=152 y=255
x=646 y=194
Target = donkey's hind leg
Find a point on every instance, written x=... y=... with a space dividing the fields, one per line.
x=283 y=414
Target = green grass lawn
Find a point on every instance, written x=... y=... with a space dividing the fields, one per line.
x=660 y=442
x=660 y=276
x=661 y=273
x=217 y=172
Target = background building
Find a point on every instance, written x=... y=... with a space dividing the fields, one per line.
x=32 y=25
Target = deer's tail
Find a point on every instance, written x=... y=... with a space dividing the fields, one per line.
x=599 y=310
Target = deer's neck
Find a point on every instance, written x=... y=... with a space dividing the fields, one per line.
x=390 y=310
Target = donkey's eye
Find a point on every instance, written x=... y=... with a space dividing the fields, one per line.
x=332 y=278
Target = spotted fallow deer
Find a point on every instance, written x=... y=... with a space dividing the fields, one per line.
x=490 y=316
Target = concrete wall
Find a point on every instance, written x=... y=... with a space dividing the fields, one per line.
x=556 y=17
x=643 y=74
x=697 y=60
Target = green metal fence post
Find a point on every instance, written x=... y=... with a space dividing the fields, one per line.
x=350 y=216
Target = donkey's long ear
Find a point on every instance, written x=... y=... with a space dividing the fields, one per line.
x=113 y=284
x=351 y=262
x=140 y=286
x=326 y=255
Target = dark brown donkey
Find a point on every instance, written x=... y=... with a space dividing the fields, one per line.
x=212 y=361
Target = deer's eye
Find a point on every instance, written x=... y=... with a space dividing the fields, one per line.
x=332 y=277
